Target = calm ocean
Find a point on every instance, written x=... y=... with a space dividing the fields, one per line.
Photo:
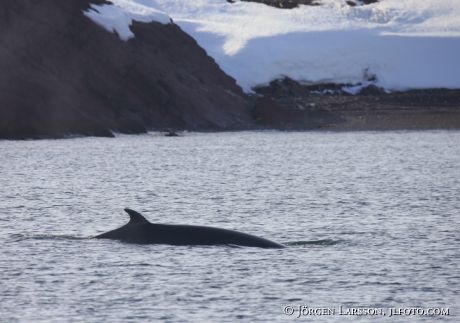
x=371 y=221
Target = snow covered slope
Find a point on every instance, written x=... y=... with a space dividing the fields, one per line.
x=119 y=16
x=404 y=44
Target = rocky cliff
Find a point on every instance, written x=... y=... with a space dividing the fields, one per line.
x=61 y=74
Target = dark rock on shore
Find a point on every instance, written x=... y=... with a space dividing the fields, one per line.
x=372 y=89
x=129 y=126
x=286 y=4
x=283 y=88
x=354 y=3
x=271 y=115
x=290 y=4
x=171 y=134
x=289 y=88
x=61 y=74
x=372 y=108
x=268 y=113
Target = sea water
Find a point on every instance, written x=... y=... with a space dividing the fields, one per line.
x=371 y=221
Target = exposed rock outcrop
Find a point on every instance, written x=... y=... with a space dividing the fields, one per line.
x=286 y=4
x=287 y=104
x=289 y=88
x=290 y=4
x=61 y=73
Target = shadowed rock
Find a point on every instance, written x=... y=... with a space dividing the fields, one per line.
x=287 y=4
x=270 y=114
x=61 y=73
x=290 y=4
x=129 y=126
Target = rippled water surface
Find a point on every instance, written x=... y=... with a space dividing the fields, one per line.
x=371 y=220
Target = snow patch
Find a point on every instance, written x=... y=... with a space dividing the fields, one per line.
x=119 y=16
x=405 y=44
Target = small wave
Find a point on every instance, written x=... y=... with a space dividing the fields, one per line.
x=324 y=242
x=27 y=236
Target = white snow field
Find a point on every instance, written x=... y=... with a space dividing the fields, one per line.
x=405 y=44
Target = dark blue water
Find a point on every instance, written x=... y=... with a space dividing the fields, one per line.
x=371 y=220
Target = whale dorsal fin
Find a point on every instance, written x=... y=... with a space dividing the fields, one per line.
x=136 y=218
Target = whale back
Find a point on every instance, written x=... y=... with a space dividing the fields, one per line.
x=140 y=231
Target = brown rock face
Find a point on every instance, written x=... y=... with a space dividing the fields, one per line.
x=291 y=4
x=286 y=4
x=60 y=74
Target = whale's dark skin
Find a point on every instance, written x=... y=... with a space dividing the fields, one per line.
x=139 y=230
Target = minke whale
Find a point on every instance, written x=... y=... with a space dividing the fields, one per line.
x=139 y=230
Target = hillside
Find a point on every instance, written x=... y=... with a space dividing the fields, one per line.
x=62 y=74
x=400 y=45
x=91 y=67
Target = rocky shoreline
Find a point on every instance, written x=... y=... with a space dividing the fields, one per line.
x=328 y=107
x=62 y=74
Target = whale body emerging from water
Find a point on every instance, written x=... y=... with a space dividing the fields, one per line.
x=139 y=230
